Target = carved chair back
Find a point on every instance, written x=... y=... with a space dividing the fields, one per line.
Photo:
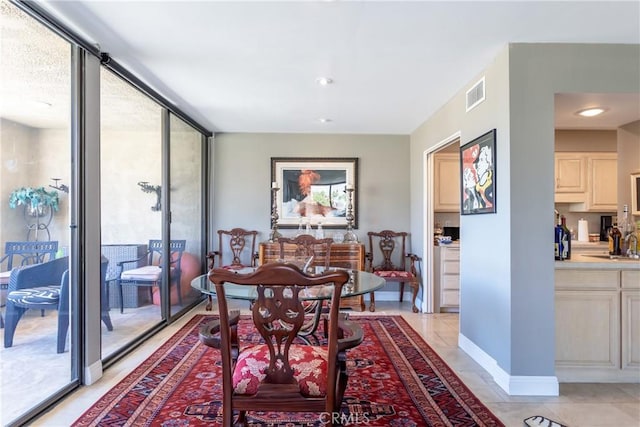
x=236 y=249
x=307 y=250
x=390 y=248
x=278 y=316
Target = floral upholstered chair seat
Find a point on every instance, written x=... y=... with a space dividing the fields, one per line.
x=394 y=274
x=309 y=364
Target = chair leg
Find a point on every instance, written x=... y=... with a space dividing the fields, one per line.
x=401 y=291
x=343 y=379
x=209 y=305
x=104 y=307
x=372 y=303
x=414 y=293
x=107 y=321
x=63 y=328
x=12 y=315
x=119 y=284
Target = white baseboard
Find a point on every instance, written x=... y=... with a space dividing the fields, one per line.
x=93 y=373
x=511 y=384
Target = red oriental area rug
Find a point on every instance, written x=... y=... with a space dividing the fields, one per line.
x=395 y=379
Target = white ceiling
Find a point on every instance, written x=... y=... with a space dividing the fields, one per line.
x=252 y=66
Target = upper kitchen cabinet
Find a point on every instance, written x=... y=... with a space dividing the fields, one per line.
x=571 y=177
x=602 y=183
x=587 y=181
x=446 y=195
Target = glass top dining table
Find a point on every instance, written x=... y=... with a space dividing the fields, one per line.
x=360 y=282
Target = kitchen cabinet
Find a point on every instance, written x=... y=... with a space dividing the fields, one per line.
x=571 y=177
x=597 y=317
x=447 y=278
x=446 y=191
x=630 y=312
x=588 y=181
x=602 y=182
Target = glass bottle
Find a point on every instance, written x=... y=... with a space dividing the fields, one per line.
x=299 y=232
x=308 y=228
x=319 y=231
x=615 y=244
x=626 y=228
x=557 y=238
x=566 y=238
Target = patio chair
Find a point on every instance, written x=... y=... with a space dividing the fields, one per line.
x=151 y=274
x=33 y=286
x=296 y=377
x=23 y=253
x=45 y=286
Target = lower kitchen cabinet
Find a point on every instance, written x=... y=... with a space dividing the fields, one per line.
x=630 y=312
x=447 y=278
x=597 y=314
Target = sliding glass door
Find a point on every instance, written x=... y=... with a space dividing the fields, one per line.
x=186 y=159
x=37 y=359
x=75 y=195
x=131 y=209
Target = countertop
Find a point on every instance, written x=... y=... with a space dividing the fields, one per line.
x=454 y=244
x=597 y=262
x=586 y=255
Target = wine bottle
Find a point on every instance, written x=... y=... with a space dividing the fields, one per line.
x=615 y=244
x=557 y=237
x=566 y=239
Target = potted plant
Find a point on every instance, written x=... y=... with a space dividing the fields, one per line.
x=37 y=199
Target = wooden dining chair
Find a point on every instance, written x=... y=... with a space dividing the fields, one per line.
x=236 y=251
x=306 y=250
x=280 y=374
x=387 y=259
x=310 y=254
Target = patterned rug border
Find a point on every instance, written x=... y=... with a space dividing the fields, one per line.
x=434 y=388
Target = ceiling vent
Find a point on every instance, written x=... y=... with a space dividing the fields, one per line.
x=475 y=95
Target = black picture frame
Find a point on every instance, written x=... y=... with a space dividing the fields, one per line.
x=478 y=175
x=313 y=189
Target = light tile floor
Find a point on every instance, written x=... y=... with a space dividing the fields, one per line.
x=579 y=405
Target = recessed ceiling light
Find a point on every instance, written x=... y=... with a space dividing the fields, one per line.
x=324 y=120
x=324 y=81
x=591 y=112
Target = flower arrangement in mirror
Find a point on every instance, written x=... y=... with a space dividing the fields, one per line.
x=36 y=200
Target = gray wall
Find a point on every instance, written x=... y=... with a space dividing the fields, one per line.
x=485 y=261
x=242 y=177
x=537 y=73
x=507 y=271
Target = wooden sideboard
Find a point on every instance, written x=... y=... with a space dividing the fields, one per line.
x=343 y=255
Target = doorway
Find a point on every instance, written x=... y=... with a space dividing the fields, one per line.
x=442 y=209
